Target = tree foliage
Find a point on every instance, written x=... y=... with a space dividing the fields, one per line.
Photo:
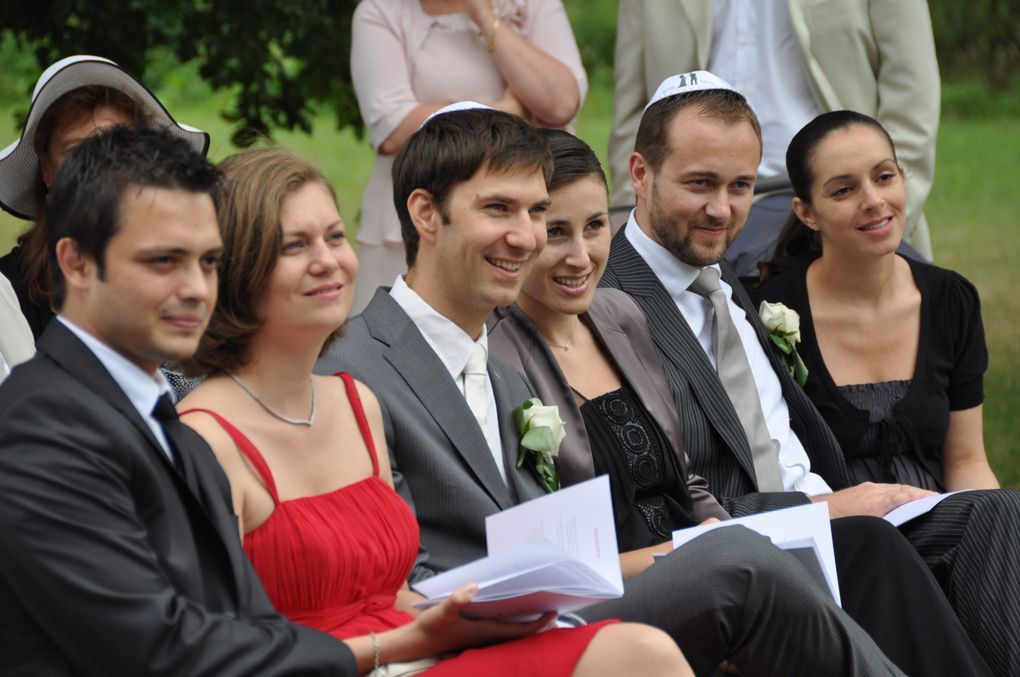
x=281 y=60
x=285 y=60
x=978 y=38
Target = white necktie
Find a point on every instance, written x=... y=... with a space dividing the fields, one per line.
x=738 y=381
x=476 y=392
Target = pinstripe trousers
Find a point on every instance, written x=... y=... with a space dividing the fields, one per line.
x=971 y=542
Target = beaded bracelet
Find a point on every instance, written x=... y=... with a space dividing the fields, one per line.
x=377 y=649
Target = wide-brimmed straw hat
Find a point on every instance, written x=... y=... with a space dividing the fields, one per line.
x=19 y=165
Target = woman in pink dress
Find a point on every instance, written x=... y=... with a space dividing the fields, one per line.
x=410 y=58
x=321 y=523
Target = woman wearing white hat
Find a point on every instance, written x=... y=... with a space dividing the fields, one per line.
x=74 y=98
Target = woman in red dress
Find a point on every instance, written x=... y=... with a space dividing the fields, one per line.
x=321 y=523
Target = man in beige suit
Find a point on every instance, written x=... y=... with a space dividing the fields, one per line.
x=792 y=59
x=16 y=344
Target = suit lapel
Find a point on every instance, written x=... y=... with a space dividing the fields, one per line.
x=635 y=370
x=678 y=345
x=76 y=359
x=424 y=373
x=64 y=348
x=821 y=445
x=509 y=438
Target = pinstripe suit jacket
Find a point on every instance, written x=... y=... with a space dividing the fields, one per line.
x=441 y=462
x=716 y=442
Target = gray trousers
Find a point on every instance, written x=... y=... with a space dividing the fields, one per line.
x=732 y=595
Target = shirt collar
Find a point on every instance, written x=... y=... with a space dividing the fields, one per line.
x=451 y=343
x=675 y=275
x=143 y=389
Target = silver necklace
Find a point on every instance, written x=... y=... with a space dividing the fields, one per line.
x=570 y=340
x=275 y=414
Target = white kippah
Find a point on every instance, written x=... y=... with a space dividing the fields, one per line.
x=682 y=83
x=454 y=107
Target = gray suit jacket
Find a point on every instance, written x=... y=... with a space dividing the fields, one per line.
x=620 y=326
x=716 y=442
x=441 y=462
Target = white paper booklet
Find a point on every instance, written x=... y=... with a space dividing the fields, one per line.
x=803 y=531
x=909 y=511
x=554 y=553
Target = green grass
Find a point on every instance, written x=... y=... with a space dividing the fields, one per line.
x=973 y=212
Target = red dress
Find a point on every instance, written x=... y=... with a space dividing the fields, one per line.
x=335 y=561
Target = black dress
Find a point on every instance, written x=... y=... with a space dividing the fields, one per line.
x=971 y=540
x=650 y=497
x=895 y=431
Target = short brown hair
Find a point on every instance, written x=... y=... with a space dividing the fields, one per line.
x=248 y=206
x=653 y=132
x=66 y=110
x=450 y=148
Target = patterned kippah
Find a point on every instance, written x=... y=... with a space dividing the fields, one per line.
x=688 y=82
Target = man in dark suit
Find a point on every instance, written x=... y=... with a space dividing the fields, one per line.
x=470 y=190
x=120 y=551
x=693 y=171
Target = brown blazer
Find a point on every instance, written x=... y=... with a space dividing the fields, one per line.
x=619 y=325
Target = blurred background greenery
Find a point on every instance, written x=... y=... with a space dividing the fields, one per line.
x=246 y=81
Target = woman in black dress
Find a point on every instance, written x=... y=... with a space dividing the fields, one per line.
x=895 y=348
x=895 y=353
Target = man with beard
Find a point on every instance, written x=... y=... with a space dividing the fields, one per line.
x=749 y=429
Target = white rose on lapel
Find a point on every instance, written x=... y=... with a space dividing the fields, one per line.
x=778 y=318
x=543 y=427
x=541 y=430
x=784 y=330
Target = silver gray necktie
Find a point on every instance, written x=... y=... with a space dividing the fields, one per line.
x=476 y=393
x=735 y=373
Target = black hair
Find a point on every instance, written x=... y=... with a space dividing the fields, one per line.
x=572 y=158
x=88 y=189
x=798 y=243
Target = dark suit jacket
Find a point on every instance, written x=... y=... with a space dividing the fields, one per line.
x=441 y=462
x=112 y=561
x=716 y=442
x=619 y=325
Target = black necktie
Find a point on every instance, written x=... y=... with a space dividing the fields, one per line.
x=166 y=414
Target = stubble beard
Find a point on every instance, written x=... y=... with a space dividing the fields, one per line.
x=667 y=231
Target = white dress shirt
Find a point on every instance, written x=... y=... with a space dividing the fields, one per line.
x=676 y=276
x=453 y=346
x=754 y=49
x=143 y=389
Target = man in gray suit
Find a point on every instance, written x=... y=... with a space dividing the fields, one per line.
x=470 y=190
x=693 y=171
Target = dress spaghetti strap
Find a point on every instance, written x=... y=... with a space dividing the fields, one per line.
x=249 y=449
x=359 y=414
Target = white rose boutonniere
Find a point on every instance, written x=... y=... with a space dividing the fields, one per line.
x=784 y=330
x=541 y=430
